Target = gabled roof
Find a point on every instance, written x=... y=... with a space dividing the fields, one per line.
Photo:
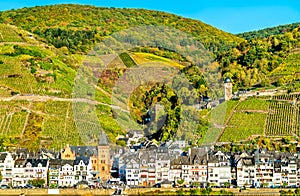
x=36 y=162
x=249 y=161
x=20 y=162
x=277 y=164
x=58 y=163
x=132 y=132
x=86 y=160
x=197 y=154
x=217 y=157
x=2 y=157
x=198 y=159
x=86 y=151
x=181 y=160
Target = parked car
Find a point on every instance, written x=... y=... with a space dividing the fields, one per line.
x=5 y=186
x=157 y=185
x=28 y=186
x=18 y=187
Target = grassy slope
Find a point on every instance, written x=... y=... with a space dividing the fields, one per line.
x=9 y=34
x=28 y=67
x=141 y=58
x=55 y=118
x=258 y=116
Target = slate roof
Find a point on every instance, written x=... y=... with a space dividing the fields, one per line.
x=249 y=161
x=132 y=132
x=198 y=159
x=2 y=157
x=277 y=164
x=180 y=160
x=58 y=163
x=103 y=139
x=144 y=156
x=85 y=160
x=198 y=155
x=19 y=162
x=36 y=162
x=84 y=151
x=217 y=157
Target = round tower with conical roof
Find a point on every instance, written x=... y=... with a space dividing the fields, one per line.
x=227 y=89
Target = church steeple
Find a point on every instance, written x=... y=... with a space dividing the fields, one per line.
x=103 y=158
x=103 y=139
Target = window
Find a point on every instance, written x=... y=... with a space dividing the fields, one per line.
x=103 y=168
x=103 y=161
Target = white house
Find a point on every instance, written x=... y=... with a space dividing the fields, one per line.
x=144 y=159
x=53 y=172
x=151 y=168
x=83 y=169
x=175 y=169
x=245 y=172
x=219 y=169
x=19 y=178
x=162 y=164
x=264 y=165
x=133 y=172
x=40 y=168
x=66 y=174
x=6 y=167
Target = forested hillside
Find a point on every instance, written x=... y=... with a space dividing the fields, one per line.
x=262 y=62
x=263 y=33
x=78 y=27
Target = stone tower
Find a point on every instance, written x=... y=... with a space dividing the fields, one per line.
x=103 y=158
x=227 y=88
